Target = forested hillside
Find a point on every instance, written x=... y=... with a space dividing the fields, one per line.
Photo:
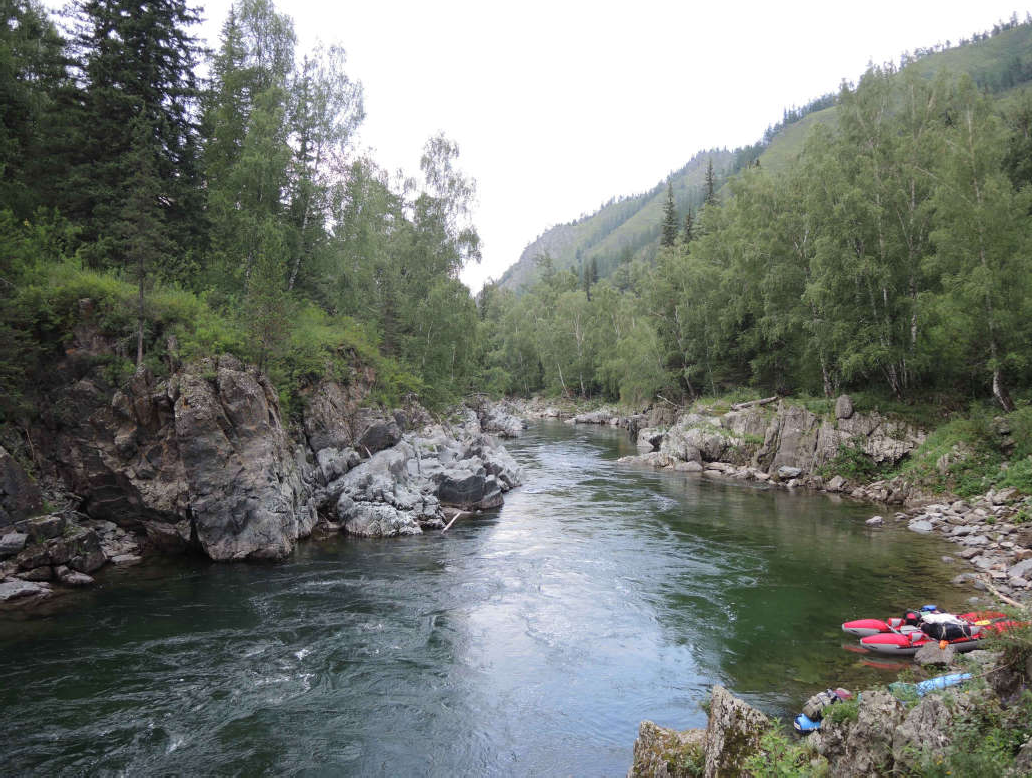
x=887 y=250
x=877 y=237
x=627 y=228
x=226 y=214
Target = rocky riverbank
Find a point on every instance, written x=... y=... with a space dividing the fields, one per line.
x=982 y=727
x=781 y=445
x=203 y=461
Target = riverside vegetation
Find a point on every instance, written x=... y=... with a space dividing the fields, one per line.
x=215 y=307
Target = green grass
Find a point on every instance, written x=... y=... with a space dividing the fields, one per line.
x=968 y=456
x=50 y=306
x=783 y=151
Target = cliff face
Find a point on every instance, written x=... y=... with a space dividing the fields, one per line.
x=789 y=444
x=201 y=458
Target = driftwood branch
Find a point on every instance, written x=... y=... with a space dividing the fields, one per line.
x=764 y=401
x=1002 y=597
x=454 y=519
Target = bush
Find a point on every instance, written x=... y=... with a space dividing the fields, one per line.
x=852 y=463
x=846 y=710
x=779 y=757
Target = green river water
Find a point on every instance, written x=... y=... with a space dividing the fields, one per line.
x=528 y=641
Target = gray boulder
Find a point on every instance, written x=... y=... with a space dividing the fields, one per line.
x=44 y=573
x=12 y=543
x=380 y=435
x=378 y=520
x=43 y=528
x=1021 y=569
x=496 y=419
x=16 y=590
x=865 y=747
x=125 y=560
x=666 y=753
x=650 y=439
x=333 y=463
x=835 y=484
x=697 y=438
x=19 y=495
x=70 y=577
x=930 y=655
x=732 y=734
x=844 y=407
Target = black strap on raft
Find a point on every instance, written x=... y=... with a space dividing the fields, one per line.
x=946 y=631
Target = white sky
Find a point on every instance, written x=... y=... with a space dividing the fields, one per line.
x=558 y=106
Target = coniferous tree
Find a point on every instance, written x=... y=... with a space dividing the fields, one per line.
x=34 y=85
x=668 y=236
x=136 y=60
x=590 y=276
x=686 y=231
x=711 y=184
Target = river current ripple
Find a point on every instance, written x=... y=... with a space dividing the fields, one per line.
x=530 y=641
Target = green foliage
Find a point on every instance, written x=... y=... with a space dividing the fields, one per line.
x=1015 y=644
x=852 y=463
x=692 y=761
x=845 y=710
x=781 y=757
x=970 y=455
x=985 y=740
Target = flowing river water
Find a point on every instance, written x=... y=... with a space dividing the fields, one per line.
x=530 y=641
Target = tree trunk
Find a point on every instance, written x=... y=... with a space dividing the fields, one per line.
x=139 y=314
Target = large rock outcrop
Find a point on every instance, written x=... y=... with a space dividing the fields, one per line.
x=732 y=734
x=796 y=437
x=700 y=438
x=402 y=489
x=863 y=747
x=667 y=753
x=787 y=443
x=201 y=458
x=19 y=495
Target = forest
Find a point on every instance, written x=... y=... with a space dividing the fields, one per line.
x=232 y=213
x=228 y=213
x=891 y=255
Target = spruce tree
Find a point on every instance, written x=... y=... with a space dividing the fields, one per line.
x=136 y=64
x=669 y=234
x=711 y=184
x=686 y=232
x=33 y=82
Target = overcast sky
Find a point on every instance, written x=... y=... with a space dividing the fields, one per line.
x=558 y=106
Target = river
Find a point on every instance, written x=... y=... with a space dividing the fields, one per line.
x=528 y=641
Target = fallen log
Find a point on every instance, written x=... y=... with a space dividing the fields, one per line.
x=454 y=519
x=1002 y=597
x=764 y=401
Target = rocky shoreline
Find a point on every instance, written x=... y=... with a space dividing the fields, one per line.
x=882 y=731
x=202 y=462
x=786 y=446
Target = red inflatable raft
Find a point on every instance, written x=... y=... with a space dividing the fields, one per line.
x=865 y=627
x=907 y=643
